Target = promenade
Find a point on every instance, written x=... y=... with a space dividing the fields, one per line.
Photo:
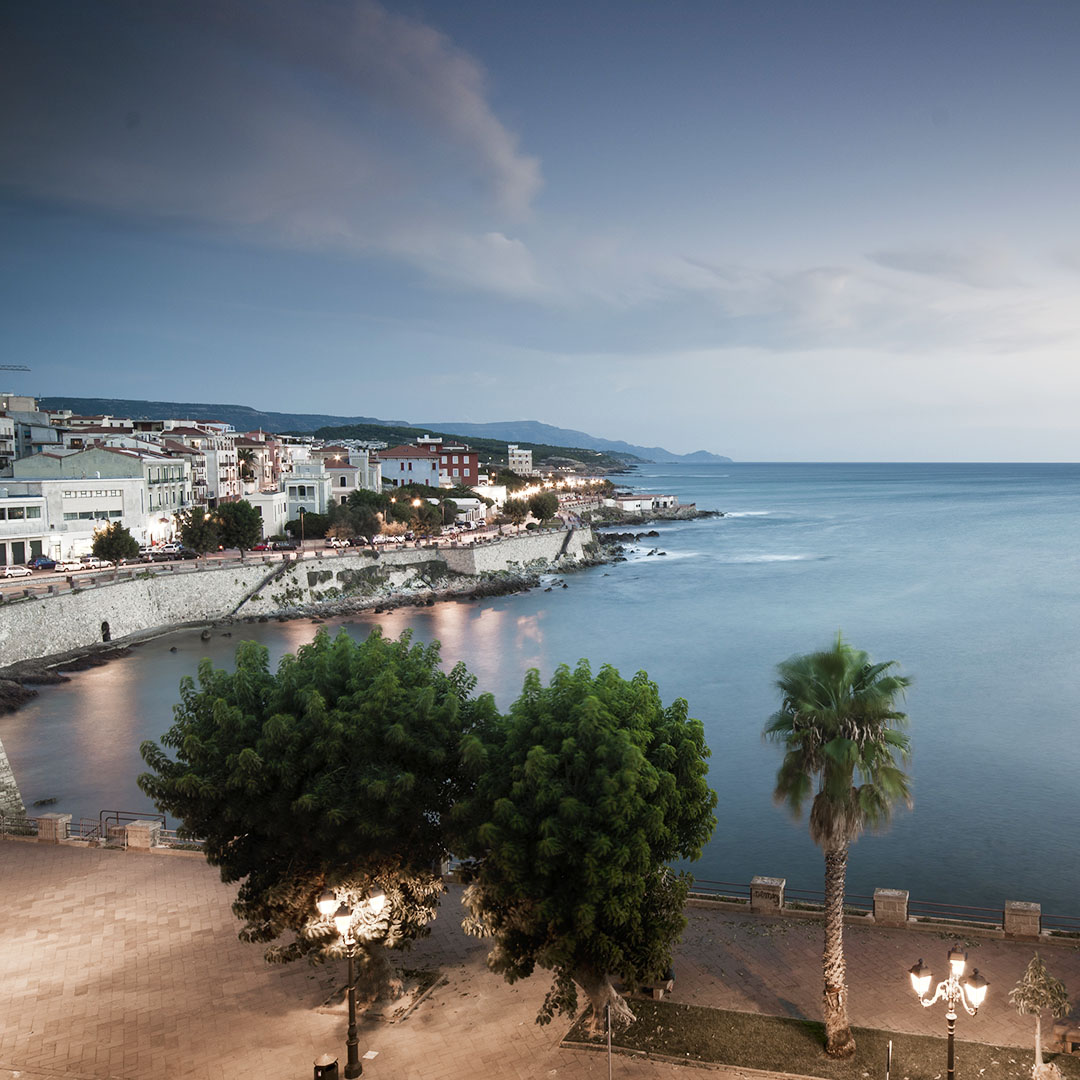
x=127 y=965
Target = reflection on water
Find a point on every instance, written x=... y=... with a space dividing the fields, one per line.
x=969 y=576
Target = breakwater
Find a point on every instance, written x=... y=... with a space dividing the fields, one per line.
x=129 y=603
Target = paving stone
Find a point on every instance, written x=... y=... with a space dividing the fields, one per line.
x=117 y=966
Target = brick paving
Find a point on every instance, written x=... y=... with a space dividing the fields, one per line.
x=127 y=965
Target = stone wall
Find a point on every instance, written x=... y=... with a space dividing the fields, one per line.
x=139 y=602
x=11 y=804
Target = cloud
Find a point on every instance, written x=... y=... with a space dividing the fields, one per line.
x=979 y=269
x=316 y=124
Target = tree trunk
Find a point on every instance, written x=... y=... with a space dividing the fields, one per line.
x=601 y=993
x=839 y=1042
x=1038 y=1040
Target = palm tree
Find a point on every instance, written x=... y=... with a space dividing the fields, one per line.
x=245 y=458
x=838 y=716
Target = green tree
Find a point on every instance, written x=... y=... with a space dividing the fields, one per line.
x=592 y=788
x=315 y=526
x=239 y=525
x=371 y=500
x=517 y=510
x=1038 y=992
x=838 y=717
x=511 y=480
x=114 y=543
x=198 y=531
x=339 y=770
x=544 y=505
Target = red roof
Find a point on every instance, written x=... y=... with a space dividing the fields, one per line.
x=407 y=452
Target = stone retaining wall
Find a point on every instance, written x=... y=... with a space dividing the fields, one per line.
x=40 y=627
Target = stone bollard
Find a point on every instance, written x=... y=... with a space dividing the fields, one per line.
x=52 y=828
x=142 y=834
x=767 y=895
x=1022 y=920
x=891 y=907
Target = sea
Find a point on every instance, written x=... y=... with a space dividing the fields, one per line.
x=967 y=575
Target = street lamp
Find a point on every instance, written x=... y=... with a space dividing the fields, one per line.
x=970 y=993
x=344 y=919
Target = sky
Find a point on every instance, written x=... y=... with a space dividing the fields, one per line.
x=771 y=229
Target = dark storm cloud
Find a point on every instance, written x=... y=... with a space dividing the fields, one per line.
x=304 y=123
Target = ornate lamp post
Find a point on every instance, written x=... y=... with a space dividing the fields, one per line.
x=969 y=993
x=344 y=919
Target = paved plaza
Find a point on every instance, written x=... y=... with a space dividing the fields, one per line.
x=127 y=965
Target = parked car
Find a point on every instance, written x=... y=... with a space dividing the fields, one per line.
x=284 y=545
x=69 y=566
x=42 y=562
x=337 y=542
x=16 y=571
x=92 y=562
x=262 y=545
x=170 y=548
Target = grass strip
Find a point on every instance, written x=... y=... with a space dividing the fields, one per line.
x=693 y=1033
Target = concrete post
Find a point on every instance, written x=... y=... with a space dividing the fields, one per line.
x=891 y=907
x=143 y=834
x=52 y=828
x=767 y=895
x=1022 y=920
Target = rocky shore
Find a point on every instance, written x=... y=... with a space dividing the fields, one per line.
x=18 y=681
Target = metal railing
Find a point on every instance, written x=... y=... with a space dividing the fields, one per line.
x=721 y=890
x=979 y=917
x=16 y=825
x=1061 y=925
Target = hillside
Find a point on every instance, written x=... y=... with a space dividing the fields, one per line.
x=544 y=439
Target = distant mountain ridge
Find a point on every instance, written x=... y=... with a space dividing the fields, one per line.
x=535 y=432
x=245 y=418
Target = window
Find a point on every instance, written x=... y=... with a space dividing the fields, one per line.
x=342 y=482
x=16 y=513
x=455 y=472
x=455 y=462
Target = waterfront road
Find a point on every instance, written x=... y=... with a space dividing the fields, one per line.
x=127 y=965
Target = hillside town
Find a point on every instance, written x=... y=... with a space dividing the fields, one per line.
x=65 y=477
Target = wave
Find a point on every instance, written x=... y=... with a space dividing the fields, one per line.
x=747 y=513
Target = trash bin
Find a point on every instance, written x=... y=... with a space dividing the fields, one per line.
x=326 y=1067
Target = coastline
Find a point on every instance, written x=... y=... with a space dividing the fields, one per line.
x=19 y=679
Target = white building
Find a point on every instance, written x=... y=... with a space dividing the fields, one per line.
x=636 y=503
x=519 y=461
x=273 y=507
x=88 y=489
x=308 y=489
x=409 y=465
x=217 y=443
x=7 y=441
x=24 y=525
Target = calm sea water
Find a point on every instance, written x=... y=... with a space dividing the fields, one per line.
x=969 y=575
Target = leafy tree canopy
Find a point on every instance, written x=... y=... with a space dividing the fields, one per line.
x=315 y=526
x=1038 y=992
x=239 y=524
x=198 y=531
x=115 y=543
x=510 y=480
x=336 y=771
x=544 y=505
x=592 y=788
x=517 y=510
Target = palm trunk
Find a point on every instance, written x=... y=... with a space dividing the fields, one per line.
x=839 y=1042
x=601 y=994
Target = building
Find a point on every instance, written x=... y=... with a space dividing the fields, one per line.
x=7 y=441
x=217 y=443
x=519 y=461
x=273 y=508
x=637 y=503
x=24 y=524
x=403 y=465
x=87 y=489
x=457 y=464
x=307 y=488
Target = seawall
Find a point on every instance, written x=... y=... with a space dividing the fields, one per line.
x=131 y=603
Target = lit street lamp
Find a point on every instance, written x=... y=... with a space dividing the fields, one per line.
x=344 y=920
x=969 y=993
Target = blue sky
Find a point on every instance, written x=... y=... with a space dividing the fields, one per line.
x=773 y=230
